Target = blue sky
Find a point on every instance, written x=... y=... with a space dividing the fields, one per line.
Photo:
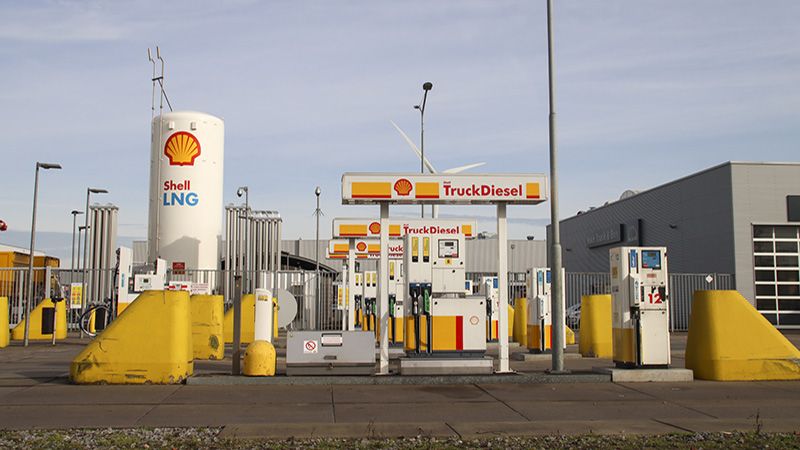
x=647 y=91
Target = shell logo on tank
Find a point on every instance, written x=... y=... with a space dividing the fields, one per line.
x=182 y=148
x=375 y=227
x=402 y=187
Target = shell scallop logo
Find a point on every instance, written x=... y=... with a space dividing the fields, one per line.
x=375 y=227
x=402 y=187
x=182 y=149
x=361 y=246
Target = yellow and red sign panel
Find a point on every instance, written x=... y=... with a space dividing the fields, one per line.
x=364 y=248
x=366 y=188
x=362 y=228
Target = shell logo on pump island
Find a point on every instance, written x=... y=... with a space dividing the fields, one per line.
x=375 y=228
x=182 y=149
x=402 y=187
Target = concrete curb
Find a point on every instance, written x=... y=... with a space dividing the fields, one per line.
x=517 y=378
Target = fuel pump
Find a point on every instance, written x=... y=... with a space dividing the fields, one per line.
x=357 y=298
x=440 y=319
x=488 y=290
x=370 y=296
x=640 y=308
x=540 y=319
x=396 y=313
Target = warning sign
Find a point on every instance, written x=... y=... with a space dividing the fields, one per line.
x=310 y=347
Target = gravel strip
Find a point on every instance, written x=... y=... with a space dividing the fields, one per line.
x=208 y=438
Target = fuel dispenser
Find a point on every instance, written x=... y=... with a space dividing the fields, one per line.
x=396 y=290
x=440 y=319
x=488 y=290
x=358 y=298
x=540 y=319
x=640 y=308
x=370 y=297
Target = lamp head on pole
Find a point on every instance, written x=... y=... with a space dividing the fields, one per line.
x=41 y=165
x=97 y=191
x=241 y=191
x=427 y=86
x=317 y=191
x=75 y=212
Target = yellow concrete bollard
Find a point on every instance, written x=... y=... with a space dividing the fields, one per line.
x=259 y=359
x=595 y=329
x=248 y=331
x=570 y=335
x=510 y=323
x=730 y=340
x=4 y=333
x=521 y=321
x=150 y=343
x=35 y=332
x=207 y=315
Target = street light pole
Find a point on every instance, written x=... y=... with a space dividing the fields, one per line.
x=244 y=190
x=317 y=212
x=427 y=86
x=44 y=166
x=84 y=284
x=555 y=232
x=75 y=214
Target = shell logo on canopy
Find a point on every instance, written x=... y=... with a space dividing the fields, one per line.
x=361 y=246
x=182 y=148
x=402 y=187
x=375 y=227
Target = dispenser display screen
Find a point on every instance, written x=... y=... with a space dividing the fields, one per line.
x=448 y=248
x=651 y=259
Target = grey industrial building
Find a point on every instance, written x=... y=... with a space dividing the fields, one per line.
x=740 y=218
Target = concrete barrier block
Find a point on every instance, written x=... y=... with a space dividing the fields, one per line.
x=521 y=321
x=150 y=343
x=5 y=335
x=730 y=340
x=248 y=330
x=570 y=335
x=259 y=359
x=207 y=315
x=510 y=325
x=39 y=330
x=595 y=328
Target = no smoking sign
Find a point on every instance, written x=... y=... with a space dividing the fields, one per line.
x=310 y=347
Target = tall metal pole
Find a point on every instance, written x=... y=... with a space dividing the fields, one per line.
x=72 y=262
x=427 y=86
x=31 y=254
x=317 y=212
x=555 y=233
x=246 y=281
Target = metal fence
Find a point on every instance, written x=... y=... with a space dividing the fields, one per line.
x=322 y=314
x=682 y=287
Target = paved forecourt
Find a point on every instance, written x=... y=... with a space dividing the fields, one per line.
x=34 y=393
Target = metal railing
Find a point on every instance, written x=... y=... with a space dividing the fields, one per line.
x=322 y=314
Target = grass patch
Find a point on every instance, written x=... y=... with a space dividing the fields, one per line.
x=208 y=438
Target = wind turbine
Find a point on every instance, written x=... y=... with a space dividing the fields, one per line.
x=428 y=164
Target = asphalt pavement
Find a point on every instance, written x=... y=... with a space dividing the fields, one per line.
x=35 y=393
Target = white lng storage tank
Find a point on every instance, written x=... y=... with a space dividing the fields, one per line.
x=185 y=213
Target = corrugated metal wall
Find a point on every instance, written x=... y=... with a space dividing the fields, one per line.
x=692 y=217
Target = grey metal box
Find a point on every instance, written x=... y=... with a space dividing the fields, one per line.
x=330 y=352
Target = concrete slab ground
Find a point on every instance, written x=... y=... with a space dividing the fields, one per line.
x=34 y=393
x=646 y=375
